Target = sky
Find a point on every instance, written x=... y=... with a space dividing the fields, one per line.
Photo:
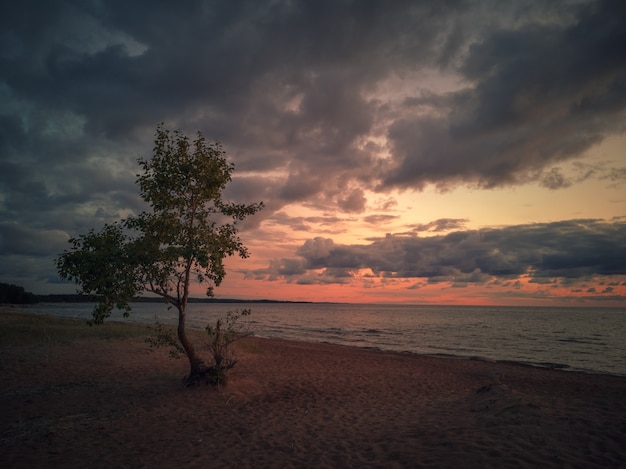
x=447 y=152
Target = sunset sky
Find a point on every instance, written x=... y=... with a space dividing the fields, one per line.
x=457 y=152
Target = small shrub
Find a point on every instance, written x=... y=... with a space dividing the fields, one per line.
x=164 y=336
x=218 y=341
x=220 y=338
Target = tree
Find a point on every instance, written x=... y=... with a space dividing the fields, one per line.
x=185 y=237
x=15 y=294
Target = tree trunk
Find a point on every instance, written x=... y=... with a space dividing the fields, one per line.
x=198 y=369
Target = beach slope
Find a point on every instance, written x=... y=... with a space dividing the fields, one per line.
x=94 y=399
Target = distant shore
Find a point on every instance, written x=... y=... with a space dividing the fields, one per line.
x=75 y=396
x=75 y=298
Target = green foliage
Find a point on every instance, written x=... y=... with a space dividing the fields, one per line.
x=188 y=232
x=164 y=336
x=103 y=264
x=220 y=338
x=184 y=237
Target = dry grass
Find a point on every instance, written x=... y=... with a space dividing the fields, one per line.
x=21 y=328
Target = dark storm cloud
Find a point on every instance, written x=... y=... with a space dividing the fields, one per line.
x=575 y=249
x=539 y=94
x=18 y=240
x=293 y=91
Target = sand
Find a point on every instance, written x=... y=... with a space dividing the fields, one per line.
x=117 y=403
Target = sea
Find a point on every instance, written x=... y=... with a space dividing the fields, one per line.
x=584 y=339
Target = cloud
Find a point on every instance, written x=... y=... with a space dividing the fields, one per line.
x=536 y=95
x=293 y=87
x=320 y=224
x=19 y=240
x=25 y=254
x=354 y=201
x=443 y=224
x=379 y=219
x=574 y=249
x=317 y=103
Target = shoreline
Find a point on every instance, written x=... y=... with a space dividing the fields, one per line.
x=83 y=397
x=130 y=322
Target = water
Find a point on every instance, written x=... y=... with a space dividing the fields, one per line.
x=583 y=339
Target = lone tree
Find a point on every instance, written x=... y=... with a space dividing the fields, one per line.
x=183 y=238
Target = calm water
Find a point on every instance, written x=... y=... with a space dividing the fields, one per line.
x=587 y=339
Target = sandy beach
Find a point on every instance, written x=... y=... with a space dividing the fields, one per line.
x=89 y=401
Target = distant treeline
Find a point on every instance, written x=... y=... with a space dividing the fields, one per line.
x=143 y=299
x=67 y=298
x=14 y=294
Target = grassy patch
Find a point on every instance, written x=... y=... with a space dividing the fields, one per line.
x=19 y=328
